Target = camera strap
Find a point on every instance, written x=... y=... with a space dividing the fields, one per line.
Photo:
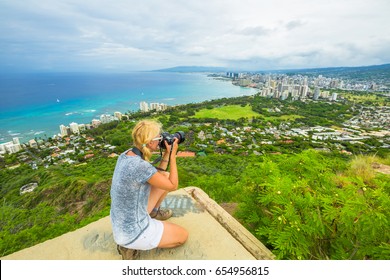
x=137 y=151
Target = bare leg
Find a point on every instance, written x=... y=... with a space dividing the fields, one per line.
x=156 y=196
x=173 y=236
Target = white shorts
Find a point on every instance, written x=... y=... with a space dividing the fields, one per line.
x=150 y=238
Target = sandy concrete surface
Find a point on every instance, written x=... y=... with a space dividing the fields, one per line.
x=213 y=235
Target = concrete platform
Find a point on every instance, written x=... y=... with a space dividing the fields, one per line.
x=213 y=235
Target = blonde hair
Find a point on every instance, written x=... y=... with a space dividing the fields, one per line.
x=143 y=132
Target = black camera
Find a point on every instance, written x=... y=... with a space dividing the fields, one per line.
x=170 y=138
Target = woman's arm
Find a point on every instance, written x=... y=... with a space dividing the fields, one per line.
x=164 y=161
x=171 y=182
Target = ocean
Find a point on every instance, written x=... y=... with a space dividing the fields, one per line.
x=35 y=105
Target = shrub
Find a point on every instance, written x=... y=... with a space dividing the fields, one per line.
x=301 y=209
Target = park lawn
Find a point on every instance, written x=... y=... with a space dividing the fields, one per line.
x=232 y=112
x=359 y=98
x=284 y=118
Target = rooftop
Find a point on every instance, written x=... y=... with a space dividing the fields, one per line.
x=214 y=235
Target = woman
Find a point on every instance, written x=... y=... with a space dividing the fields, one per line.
x=137 y=191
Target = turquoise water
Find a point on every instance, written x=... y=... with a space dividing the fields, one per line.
x=35 y=105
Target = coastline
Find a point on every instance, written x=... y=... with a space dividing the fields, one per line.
x=43 y=120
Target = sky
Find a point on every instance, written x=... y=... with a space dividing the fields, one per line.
x=134 y=35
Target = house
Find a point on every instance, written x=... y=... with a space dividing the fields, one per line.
x=185 y=154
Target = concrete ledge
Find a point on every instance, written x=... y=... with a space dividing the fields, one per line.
x=240 y=233
x=214 y=235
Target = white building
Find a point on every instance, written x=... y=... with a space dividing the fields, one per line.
x=15 y=140
x=74 y=128
x=63 y=130
x=163 y=106
x=118 y=115
x=96 y=123
x=154 y=106
x=303 y=90
x=105 y=118
x=144 y=106
x=82 y=127
x=11 y=146
x=32 y=143
x=317 y=93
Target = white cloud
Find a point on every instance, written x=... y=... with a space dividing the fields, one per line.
x=141 y=35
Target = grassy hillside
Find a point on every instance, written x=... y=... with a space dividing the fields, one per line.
x=301 y=203
x=67 y=197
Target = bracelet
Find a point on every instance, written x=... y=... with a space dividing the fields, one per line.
x=164 y=160
x=161 y=169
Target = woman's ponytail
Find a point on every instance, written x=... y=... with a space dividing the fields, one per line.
x=146 y=152
x=143 y=132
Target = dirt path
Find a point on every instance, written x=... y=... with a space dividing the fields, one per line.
x=382 y=168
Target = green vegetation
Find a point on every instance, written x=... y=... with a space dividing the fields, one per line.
x=366 y=99
x=232 y=112
x=307 y=206
x=68 y=197
x=314 y=207
x=302 y=203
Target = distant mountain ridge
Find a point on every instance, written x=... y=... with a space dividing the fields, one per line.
x=193 y=69
x=370 y=68
x=336 y=70
x=371 y=73
x=357 y=73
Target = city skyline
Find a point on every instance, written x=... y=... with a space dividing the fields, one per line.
x=245 y=35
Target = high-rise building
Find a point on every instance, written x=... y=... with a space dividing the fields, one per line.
x=63 y=130
x=163 y=106
x=11 y=146
x=303 y=91
x=317 y=93
x=15 y=140
x=144 y=106
x=74 y=128
x=154 y=106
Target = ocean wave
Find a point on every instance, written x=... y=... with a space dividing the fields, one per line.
x=12 y=133
x=39 y=132
x=80 y=113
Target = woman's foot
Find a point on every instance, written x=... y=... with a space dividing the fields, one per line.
x=127 y=254
x=161 y=214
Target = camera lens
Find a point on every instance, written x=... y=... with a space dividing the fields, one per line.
x=180 y=135
x=170 y=138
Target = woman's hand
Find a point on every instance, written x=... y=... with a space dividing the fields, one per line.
x=164 y=180
x=174 y=147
